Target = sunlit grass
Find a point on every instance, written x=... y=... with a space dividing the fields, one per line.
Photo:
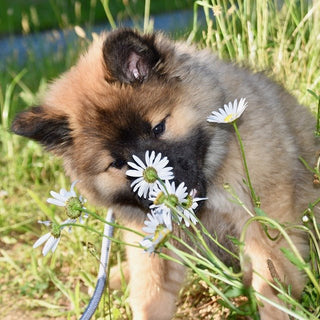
x=282 y=40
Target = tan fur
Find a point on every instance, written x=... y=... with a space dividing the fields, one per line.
x=185 y=86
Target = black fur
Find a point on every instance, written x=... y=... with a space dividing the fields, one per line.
x=52 y=132
x=125 y=49
x=185 y=156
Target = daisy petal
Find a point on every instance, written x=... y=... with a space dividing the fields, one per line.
x=56 y=202
x=72 y=188
x=47 y=223
x=140 y=163
x=229 y=113
x=55 y=244
x=48 y=246
x=42 y=240
x=138 y=185
x=58 y=196
x=135 y=166
x=133 y=173
x=135 y=182
x=143 y=184
x=158 y=157
x=63 y=192
x=152 y=156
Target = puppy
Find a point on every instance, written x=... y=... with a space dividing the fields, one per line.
x=130 y=93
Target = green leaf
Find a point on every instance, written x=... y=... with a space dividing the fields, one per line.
x=313 y=93
x=235 y=241
x=293 y=258
x=260 y=212
x=233 y=292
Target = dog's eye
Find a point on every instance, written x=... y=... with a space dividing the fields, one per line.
x=118 y=164
x=159 y=129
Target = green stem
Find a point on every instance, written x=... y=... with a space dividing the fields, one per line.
x=112 y=223
x=203 y=243
x=106 y=8
x=204 y=278
x=318 y=118
x=287 y=238
x=194 y=24
x=215 y=241
x=237 y=199
x=146 y=21
x=284 y=309
x=309 y=212
x=255 y=199
x=313 y=239
x=100 y=234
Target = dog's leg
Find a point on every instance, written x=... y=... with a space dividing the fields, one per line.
x=119 y=274
x=154 y=283
x=268 y=261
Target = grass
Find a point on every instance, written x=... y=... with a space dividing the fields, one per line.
x=282 y=41
x=31 y=16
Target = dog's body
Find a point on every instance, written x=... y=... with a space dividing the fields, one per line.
x=110 y=106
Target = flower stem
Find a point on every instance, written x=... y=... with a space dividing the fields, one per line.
x=202 y=274
x=294 y=249
x=255 y=199
x=318 y=119
x=199 y=239
x=102 y=235
x=115 y=225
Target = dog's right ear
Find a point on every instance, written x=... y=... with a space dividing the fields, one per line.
x=42 y=124
x=129 y=56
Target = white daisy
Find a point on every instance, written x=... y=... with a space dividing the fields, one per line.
x=70 y=201
x=189 y=206
x=51 y=243
x=148 y=245
x=166 y=197
x=147 y=173
x=159 y=226
x=157 y=218
x=60 y=199
x=51 y=239
x=229 y=112
x=162 y=195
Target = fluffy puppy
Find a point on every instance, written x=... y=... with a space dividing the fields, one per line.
x=130 y=93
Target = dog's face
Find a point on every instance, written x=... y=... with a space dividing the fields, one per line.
x=120 y=100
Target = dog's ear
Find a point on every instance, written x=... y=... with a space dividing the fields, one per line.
x=42 y=124
x=129 y=56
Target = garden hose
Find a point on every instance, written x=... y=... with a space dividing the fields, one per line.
x=102 y=274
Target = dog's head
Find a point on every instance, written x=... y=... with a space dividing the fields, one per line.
x=126 y=95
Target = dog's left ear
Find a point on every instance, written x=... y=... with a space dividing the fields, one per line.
x=129 y=56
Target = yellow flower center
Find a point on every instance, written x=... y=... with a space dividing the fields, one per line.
x=188 y=203
x=160 y=235
x=160 y=198
x=228 y=118
x=173 y=200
